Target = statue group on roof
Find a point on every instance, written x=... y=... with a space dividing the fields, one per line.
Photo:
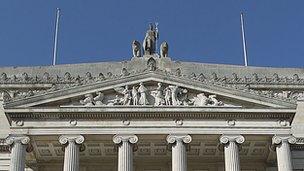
x=149 y=44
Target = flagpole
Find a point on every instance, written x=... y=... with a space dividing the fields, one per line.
x=244 y=39
x=156 y=41
x=56 y=36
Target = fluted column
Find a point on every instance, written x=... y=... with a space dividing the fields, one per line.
x=179 y=154
x=71 y=153
x=283 y=151
x=18 y=152
x=232 y=161
x=125 y=151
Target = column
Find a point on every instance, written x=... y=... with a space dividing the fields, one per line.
x=231 y=150
x=18 y=152
x=71 y=153
x=125 y=151
x=179 y=154
x=283 y=151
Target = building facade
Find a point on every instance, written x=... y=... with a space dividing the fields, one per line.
x=151 y=114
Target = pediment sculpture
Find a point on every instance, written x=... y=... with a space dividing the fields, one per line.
x=151 y=95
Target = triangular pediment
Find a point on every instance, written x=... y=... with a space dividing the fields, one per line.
x=159 y=89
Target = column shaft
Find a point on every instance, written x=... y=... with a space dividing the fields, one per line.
x=283 y=151
x=232 y=162
x=18 y=152
x=179 y=154
x=18 y=157
x=179 y=158
x=125 y=157
x=71 y=151
x=125 y=151
x=284 y=157
x=71 y=157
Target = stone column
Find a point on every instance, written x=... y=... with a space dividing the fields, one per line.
x=179 y=154
x=283 y=151
x=18 y=152
x=71 y=153
x=232 y=161
x=125 y=151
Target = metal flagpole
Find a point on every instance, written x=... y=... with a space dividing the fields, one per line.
x=156 y=41
x=56 y=36
x=244 y=40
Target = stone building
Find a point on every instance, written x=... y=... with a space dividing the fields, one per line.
x=151 y=113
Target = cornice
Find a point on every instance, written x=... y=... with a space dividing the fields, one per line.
x=147 y=112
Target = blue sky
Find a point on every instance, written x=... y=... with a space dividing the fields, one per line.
x=197 y=30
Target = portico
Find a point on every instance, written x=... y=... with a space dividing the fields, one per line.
x=204 y=153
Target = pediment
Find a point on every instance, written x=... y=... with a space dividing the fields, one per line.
x=150 y=88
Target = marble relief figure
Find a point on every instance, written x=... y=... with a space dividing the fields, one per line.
x=134 y=96
x=127 y=96
x=159 y=97
x=99 y=98
x=88 y=101
x=168 y=96
x=214 y=101
x=178 y=95
x=200 y=100
x=142 y=90
x=116 y=101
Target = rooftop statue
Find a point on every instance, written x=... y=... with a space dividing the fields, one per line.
x=164 y=47
x=151 y=37
x=136 y=48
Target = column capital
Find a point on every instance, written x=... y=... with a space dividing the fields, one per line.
x=278 y=139
x=172 y=138
x=225 y=139
x=17 y=139
x=64 y=139
x=118 y=138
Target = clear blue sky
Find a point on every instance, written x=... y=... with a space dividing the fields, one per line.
x=197 y=30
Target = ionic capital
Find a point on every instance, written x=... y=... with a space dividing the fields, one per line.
x=18 y=139
x=64 y=139
x=172 y=138
x=278 y=139
x=225 y=139
x=130 y=138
